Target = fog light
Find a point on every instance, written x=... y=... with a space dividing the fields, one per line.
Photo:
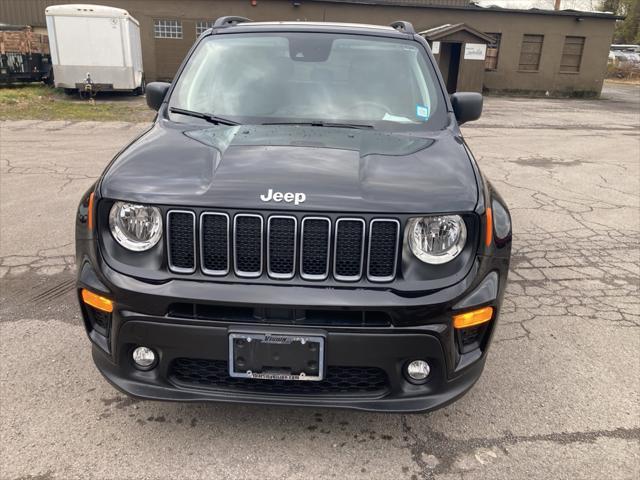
x=144 y=358
x=418 y=370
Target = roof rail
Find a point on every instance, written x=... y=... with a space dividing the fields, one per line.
x=229 y=21
x=403 y=26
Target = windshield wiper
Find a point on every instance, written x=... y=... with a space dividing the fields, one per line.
x=204 y=116
x=323 y=124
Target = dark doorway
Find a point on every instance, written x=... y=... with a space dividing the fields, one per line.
x=448 y=43
x=449 y=63
x=454 y=67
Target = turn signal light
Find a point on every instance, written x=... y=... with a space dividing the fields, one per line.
x=90 y=212
x=473 y=318
x=97 y=301
x=488 y=236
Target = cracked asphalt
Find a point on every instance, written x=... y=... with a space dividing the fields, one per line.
x=559 y=398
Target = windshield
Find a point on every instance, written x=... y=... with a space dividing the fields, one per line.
x=312 y=78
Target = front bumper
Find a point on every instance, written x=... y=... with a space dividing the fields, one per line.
x=205 y=343
x=420 y=328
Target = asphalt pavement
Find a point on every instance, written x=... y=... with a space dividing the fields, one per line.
x=559 y=398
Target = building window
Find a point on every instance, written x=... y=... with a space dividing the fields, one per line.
x=530 y=53
x=572 y=54
x=202 y=25
x=491 y=60
x=167 y=29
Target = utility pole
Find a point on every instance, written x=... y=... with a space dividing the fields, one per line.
x=556 y=5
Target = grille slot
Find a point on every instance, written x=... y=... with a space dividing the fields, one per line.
x=248 y=245
x=214 y=374
x=181 y=228
x=281 y=246
x=282 y=316
x=349 y=245
x=384 y=236
x=214 y=243
x=315 y=248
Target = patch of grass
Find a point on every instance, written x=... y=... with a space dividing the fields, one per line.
x=625 y=72
x=39 y=102
x=626 y=81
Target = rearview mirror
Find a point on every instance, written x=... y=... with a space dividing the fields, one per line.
x=467 y=106
x=155 y=93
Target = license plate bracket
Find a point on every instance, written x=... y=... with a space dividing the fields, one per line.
x=276 y=356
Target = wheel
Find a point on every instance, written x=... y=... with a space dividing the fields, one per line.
x=48 y=79
x=142 y=88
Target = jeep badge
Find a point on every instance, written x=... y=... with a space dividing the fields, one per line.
x=296 y=198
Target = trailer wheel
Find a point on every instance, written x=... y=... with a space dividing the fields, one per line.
x=141 y=89
x=48 y=80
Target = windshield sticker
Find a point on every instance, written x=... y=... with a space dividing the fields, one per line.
x=422 y=112
x=396 y=118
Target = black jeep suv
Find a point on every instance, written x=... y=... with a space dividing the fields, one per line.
x=303 y=224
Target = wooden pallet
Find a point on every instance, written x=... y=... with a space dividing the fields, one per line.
x=23 y=41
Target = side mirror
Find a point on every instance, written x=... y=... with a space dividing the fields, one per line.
x=467 y=106
x=155 y=93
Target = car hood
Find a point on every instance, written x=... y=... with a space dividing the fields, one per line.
x=336 y=169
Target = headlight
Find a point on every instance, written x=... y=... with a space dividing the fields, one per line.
x=437 y=239
x=135 y=227
x=501 y=220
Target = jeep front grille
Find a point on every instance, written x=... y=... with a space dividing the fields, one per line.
x=315 y=248
x=283 y=246
x=181 y=235
x=348 y=259
x=383 y=249
x=248 y=244
x=214 y=243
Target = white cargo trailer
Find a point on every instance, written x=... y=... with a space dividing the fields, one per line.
x=100 y=42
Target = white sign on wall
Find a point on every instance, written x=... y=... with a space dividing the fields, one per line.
x=435 y=48
x=475 y=51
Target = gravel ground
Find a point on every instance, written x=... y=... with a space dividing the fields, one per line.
x=559 y=398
